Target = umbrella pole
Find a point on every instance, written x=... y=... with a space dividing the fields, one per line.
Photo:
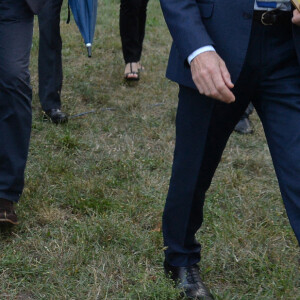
x=89 y=49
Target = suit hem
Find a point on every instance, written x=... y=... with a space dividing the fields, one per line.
x=10 y=196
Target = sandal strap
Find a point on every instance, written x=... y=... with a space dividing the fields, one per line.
x=135 y=74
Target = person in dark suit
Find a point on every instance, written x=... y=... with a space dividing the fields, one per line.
x=50 y=61
x=224 y=54
x=16 y=26
x=132 y=31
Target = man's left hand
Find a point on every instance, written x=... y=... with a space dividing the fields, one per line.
x=296 y=17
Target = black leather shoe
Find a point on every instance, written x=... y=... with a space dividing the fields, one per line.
x=7 y=213
x=188 y=279
x=244 y=126
x=56 y=116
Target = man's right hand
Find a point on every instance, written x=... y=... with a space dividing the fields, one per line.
x=211 y=77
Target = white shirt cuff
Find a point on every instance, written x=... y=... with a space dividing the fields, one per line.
x=199 y=51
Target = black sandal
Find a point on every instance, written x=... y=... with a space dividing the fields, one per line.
x=128 y=74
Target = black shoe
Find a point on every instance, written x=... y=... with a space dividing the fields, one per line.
x=188 y=279
x=7 y=213
x=56 y=116
x=244 y=126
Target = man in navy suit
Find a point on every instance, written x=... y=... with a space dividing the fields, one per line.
x=16 y=26
x=224 y=54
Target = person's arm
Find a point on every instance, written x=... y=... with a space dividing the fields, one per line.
x=186 y=27
x=211 y=76
x=209 y=71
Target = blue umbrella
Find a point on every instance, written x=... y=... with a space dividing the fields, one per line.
x=85 y=15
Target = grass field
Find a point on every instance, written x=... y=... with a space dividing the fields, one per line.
x=95 y=189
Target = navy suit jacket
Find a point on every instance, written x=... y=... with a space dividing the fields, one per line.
x=225 y=24
x=36 y=5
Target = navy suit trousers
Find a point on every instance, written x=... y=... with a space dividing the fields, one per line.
x=16 y=25
x=271 y=79
x=50 y=56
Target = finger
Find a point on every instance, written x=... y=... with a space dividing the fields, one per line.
x=202 y=87
x=226 y=75
x=199 y=86
x=224 y=93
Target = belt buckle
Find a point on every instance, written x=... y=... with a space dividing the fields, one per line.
x=262 y=19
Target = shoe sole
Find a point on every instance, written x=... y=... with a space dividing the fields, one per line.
x=47 y=118
x=131 y=79
x=240 y=132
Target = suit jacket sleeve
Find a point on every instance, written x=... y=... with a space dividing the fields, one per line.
x=184 y=20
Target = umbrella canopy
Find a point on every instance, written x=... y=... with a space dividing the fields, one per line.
x=85 y=16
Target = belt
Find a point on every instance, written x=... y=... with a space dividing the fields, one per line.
x=272 y=17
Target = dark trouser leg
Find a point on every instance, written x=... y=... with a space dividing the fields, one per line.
x=132 y=28
x=50 y=57
x=142 y=25
x=278 y=105
x=192 y=121
x=283 y=136
x=280 y=118
x=199 y=148
x=202 y=131
x=15 y=103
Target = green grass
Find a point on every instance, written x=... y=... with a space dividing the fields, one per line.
x=95 y=189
